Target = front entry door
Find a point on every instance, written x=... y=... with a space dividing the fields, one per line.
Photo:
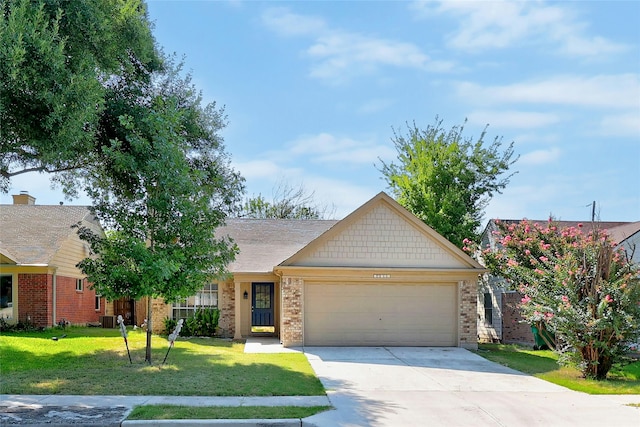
x=262 y=306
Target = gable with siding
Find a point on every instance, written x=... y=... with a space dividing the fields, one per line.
x=381 y=232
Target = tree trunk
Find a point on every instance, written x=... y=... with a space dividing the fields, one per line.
x=597 y=366
x=147 y=357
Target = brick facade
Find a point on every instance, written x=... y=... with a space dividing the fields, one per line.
x=468 y=326
x=35 y=300
x=77 y=307
x=514 y=330
x=291 y=333
x=35 y=303
x=227 y=306
x=160 y=310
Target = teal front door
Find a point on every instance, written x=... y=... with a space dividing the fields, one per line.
x=262 y=307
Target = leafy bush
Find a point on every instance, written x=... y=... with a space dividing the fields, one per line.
x=203 y=323
x=169 y=325
x=20 y=326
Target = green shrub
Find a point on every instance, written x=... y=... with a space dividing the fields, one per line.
x=169 y=325
x=203 y=323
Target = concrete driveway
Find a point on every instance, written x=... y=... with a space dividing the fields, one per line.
x=399 y=386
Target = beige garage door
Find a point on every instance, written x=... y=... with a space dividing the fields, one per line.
x=380 y=314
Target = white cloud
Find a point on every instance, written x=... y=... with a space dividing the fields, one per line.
x=502 y=24
x=622 y=124
x=540 y=157
x=283 y=22
x=603 y=91
x=513 y=119
x=327 y=148
x=340 y=55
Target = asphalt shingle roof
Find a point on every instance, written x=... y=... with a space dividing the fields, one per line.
x=32 y=234
x=265 y=243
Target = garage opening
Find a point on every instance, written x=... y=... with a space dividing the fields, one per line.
x=380 y=314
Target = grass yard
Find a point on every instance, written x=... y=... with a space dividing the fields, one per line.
x=173 y=412
x=543 y=364
x=93 y=361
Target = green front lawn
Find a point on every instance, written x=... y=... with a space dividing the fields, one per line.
x=172 y=412
x=93 y=361
x=543 y=364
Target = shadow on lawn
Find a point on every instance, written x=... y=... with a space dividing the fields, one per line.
x=207 y=369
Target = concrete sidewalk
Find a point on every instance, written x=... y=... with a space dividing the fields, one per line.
x=113 y=410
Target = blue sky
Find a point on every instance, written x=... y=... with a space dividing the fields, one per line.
x=313 y=91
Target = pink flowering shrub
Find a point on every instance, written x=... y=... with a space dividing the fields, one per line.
x=576 y=283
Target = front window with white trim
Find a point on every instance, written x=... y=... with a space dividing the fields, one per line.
x=206 y=298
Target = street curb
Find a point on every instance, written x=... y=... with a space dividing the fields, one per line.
x=295 y=422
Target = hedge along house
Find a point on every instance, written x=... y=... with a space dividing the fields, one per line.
x=39 y=250
x=380 y=276
x=499 y=317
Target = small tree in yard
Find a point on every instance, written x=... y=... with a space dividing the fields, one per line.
x=576 y=283
x=162 y=188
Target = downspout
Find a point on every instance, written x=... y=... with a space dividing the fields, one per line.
x=54 y=299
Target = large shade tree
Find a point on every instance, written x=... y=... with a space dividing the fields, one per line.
x=163 y=186
x=56 y=57
x=446 y=179
x=577 y=283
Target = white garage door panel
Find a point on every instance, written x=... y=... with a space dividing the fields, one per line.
x=374 y=314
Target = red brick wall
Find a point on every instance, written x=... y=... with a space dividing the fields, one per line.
x=514 y=331
x=34 y=298
x=77 y=307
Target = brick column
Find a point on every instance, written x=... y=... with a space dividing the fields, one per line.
x=291 y=333
x=227 y=306
x=160 y=310
x=468 y=326
x=237 y=311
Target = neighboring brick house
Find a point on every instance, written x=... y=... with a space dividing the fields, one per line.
x=39 y=281
x=380 y=276
x=499 y=317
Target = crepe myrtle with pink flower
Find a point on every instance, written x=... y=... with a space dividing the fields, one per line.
x=576 y=283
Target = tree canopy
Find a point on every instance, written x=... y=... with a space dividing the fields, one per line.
x=445 y=179
x=577 y=283
x=56 y=57
x=162 y=187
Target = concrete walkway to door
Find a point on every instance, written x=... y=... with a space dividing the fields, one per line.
x=394 y=386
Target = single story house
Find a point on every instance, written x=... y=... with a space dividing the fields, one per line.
x=39 y=281
x=380 y=276
x=499 y=318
